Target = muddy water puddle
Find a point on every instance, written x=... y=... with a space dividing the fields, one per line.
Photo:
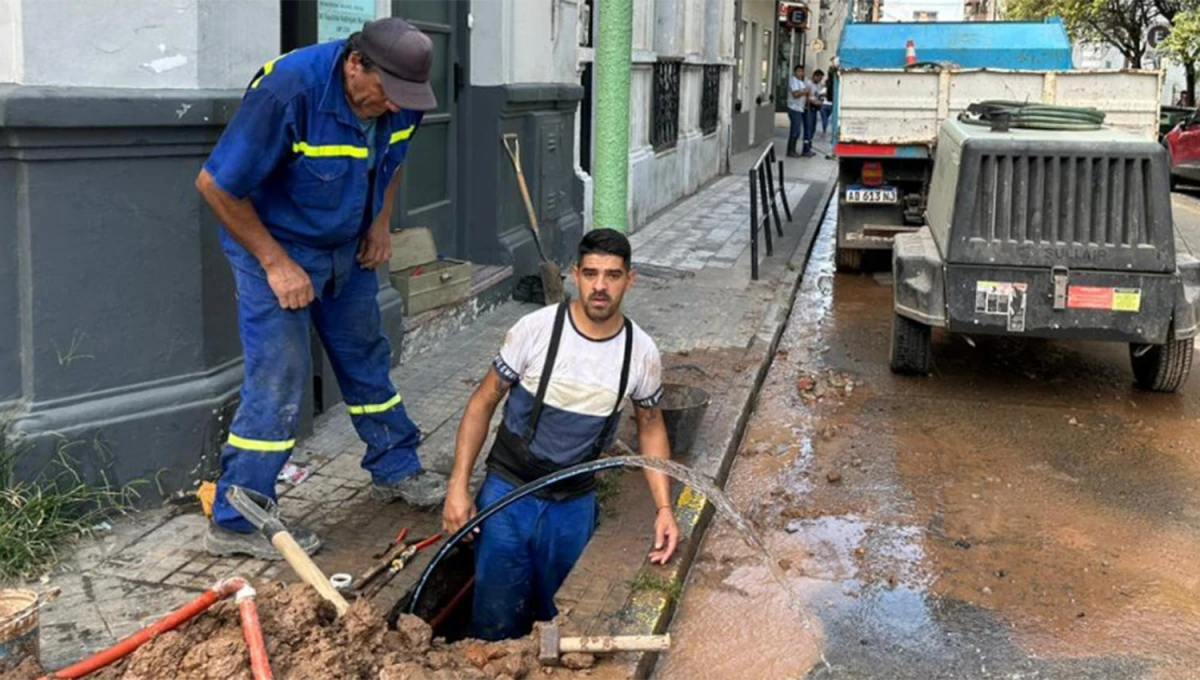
x=1025 y=512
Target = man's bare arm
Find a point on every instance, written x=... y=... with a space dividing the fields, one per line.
x=653 y=442
x=472 y=433
x=288 y=280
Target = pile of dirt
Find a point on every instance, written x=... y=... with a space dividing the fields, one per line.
x=306 y=641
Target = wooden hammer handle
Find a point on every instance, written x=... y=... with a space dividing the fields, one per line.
x=620 y=643
x=308 y=572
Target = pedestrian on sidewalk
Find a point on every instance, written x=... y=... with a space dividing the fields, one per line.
x=797 y=103
x=303 y=180
x=566 y=370
x=813 y=105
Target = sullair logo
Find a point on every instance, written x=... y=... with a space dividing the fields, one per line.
x=1062 y=251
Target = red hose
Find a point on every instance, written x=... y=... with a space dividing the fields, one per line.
x=452 y=605
x=259 y=666
x=126 y=647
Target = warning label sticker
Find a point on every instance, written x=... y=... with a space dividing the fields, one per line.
x=1002 y=298
x=1108 y=299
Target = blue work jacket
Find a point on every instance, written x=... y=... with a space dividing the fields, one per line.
x=297 y=149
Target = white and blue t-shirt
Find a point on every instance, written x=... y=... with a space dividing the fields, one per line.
x=583 y=383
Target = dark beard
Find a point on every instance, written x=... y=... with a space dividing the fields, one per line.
x=602 y=316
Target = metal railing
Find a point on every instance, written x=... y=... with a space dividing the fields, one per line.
x=762 y=188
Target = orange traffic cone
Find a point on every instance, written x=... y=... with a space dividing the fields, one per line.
x=910 y=53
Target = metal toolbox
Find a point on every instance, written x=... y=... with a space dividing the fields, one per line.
x=424 y=280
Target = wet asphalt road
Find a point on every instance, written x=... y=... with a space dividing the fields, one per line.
x=1025 y=512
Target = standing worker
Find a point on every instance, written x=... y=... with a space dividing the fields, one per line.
x=797 y=103
x=303 y=180
x=566 y=370
x=812 y=108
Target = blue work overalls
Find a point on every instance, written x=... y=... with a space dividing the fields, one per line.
x=309 y=166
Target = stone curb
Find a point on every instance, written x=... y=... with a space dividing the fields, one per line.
x=648 y=612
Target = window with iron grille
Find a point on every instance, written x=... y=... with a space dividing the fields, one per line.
x=710 y=99
x=664 y=121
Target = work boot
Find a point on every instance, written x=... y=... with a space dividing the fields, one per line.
x=421 y=490
x=222 y=542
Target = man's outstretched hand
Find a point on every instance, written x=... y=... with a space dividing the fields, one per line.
x=666 y=536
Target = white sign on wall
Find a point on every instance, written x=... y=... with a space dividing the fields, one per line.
x=339 y=18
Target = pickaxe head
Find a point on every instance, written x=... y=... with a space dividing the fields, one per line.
x=258 y=509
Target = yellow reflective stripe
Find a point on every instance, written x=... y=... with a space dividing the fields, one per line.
x=266 y=70
x=259 y=444
x=402 y=135
x=367 y=409
x=330 y=150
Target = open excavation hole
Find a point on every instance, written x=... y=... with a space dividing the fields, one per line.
x=446 y=603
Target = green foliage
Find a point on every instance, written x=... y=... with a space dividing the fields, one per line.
x=38 y=519
x=1183 y=44
x=1120 y=23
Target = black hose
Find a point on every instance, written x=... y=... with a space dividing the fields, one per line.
x=505 y=501
x=1034 y=116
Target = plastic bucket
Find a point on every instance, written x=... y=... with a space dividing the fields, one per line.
x=683 y=408
x=20 y=634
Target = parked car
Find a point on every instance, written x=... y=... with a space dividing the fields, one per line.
x=1183 y=145
x=1171 y=116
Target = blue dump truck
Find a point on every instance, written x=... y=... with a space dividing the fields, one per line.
x=899 y=82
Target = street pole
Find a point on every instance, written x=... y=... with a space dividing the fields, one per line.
x=614 y=48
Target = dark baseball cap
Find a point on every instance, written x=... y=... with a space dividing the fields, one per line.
x=404 y=56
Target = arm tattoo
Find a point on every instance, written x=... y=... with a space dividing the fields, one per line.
x=649 y=415
x=501 y=388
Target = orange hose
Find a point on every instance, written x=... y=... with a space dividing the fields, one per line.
x=171 y=621
x=260 y=667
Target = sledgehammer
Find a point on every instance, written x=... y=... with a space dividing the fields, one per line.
x=551 y=644
x=262 y=512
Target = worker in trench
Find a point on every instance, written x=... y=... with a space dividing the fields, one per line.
x=566 y=370
x=303 y=180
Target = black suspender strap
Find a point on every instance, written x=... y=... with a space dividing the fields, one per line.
x=544 y=382
x=612 y=417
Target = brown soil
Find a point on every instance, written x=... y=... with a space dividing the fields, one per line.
x=305 y=641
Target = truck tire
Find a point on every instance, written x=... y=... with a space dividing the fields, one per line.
x=911 y=352
x=1162 y=368
x=849 y=259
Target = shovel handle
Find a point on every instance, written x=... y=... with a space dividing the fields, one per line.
x=308 y=572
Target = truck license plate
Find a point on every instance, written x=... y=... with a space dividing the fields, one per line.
x=864 y=195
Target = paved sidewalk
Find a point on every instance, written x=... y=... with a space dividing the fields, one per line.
x=694 y=295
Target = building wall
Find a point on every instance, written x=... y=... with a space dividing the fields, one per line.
x=10 y=41
x=184 y=44
x=754 y=106
x=123 y=345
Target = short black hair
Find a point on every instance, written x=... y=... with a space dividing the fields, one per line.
x=818 y=72
x=799 y=67
x=354 y=45
x=606 y=242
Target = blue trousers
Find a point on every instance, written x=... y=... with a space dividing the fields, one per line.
x=278 y=359
x=522 y=555
x=810 y=128
x=795 y=123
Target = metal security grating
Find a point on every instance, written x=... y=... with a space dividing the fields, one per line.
x=1072 y=200
x=710 y=99
x=664 y=121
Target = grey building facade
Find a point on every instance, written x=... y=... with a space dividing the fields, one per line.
x=119 y=345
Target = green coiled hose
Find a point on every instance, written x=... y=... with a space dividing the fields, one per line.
x=1034 y=116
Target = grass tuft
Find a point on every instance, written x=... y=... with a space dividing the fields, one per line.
x=645 y=581
x=38 y=518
